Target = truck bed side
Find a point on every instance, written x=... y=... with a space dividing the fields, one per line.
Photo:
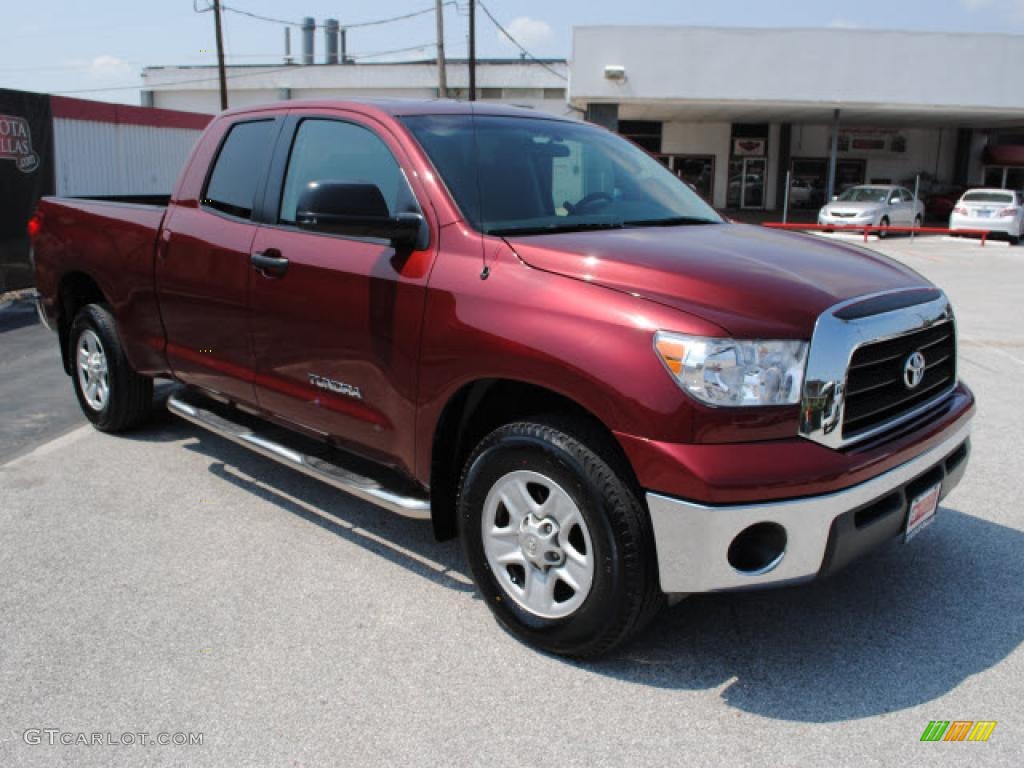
x=103 y=250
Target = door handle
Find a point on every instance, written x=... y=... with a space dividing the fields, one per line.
x=270 y=263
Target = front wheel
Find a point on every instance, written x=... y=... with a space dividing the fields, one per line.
x=558 y=542
x=112 y=395
x=882 y=234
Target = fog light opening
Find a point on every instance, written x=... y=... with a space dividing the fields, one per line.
x=758 y=548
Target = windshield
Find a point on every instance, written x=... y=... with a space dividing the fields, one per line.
x=865 y=195
x=531 y=176
x=988 y=197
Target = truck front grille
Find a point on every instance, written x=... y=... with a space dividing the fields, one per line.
x=876 y=390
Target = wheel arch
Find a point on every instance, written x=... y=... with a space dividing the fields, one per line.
x=481 y=406
x=74 y=291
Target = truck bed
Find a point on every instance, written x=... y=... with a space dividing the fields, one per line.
x=112 y=241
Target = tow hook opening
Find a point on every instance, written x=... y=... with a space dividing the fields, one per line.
x=758 y=548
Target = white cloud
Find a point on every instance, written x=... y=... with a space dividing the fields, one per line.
x=109 y=66
x=529 y=33
x=843 y=24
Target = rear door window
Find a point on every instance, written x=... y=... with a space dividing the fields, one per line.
x=239 y=168
x=989 y=197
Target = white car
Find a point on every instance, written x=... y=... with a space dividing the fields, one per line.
x=874 y=205
x=993 y=210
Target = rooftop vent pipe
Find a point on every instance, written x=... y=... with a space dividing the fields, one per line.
x=308 y=28
x=331 y=41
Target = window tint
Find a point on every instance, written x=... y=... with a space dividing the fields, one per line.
x=240 y=164
x=329 y=150
x=907 y=197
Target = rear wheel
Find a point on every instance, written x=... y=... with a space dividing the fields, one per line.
x=112 y=395
x=558 y=542
x=917 y=221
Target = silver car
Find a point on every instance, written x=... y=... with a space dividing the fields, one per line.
x=874 y=205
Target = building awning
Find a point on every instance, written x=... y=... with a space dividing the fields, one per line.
x=1004 y=154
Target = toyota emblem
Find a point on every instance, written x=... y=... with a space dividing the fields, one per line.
x=913 y=370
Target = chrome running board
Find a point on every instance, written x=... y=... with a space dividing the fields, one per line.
x=364 y=488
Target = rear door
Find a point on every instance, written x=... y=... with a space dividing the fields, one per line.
x=203 y=270
x=336 y=336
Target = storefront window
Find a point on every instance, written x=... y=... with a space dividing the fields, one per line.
x=698 y=172
x=1004 y=176
x=993 y=177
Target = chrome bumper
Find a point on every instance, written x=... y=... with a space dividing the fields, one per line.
x=693 y=540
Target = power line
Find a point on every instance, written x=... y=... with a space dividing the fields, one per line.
x=517 y=44
x=357 y=25
x=233 y=76
x=389 y=53
x=142 y=86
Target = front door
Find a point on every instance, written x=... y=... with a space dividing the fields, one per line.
x=202 y=268
x=336 y=336
x=752 y=195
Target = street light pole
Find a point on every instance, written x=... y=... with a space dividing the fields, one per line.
x=442 y=76
x=220 y=56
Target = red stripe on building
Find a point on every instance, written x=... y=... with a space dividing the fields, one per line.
x=125 y=114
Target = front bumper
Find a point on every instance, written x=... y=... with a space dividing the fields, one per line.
x=828 y=220
x=821 y=533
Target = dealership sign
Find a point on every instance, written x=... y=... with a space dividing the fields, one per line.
x=16 y=143
x=749 y=147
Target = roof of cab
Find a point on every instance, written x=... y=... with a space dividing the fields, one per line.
x=400 y=107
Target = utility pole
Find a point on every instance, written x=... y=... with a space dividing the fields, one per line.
x=472 y=50
x=220 y=56
x=442 y=76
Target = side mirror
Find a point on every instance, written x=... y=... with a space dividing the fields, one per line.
x=834 y=198
x=893 y=200
x=357 y=210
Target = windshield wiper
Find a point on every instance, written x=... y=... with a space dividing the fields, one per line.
x=556 y=228
x=670 y=222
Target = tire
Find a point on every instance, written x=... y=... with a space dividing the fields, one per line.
x=1014 y=239
x=917 y=222
x=884 y=222
x=567 y=470
x=112 y=395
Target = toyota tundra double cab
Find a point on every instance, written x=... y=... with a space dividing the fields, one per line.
x=527 y=331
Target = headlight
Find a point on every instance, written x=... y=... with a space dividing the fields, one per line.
x=734 y=372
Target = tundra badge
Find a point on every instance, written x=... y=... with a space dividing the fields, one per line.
x=335 y=386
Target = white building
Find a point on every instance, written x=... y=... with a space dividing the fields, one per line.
x=733 y=109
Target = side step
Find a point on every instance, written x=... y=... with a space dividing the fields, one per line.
x=365 y=488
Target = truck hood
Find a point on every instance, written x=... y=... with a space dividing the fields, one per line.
x=751 y=281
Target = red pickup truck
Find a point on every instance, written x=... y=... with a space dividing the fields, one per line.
x=529 y=332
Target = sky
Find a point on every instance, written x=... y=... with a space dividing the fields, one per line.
x=97 y=48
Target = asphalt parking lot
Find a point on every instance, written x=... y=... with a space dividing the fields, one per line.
x=171 y=582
